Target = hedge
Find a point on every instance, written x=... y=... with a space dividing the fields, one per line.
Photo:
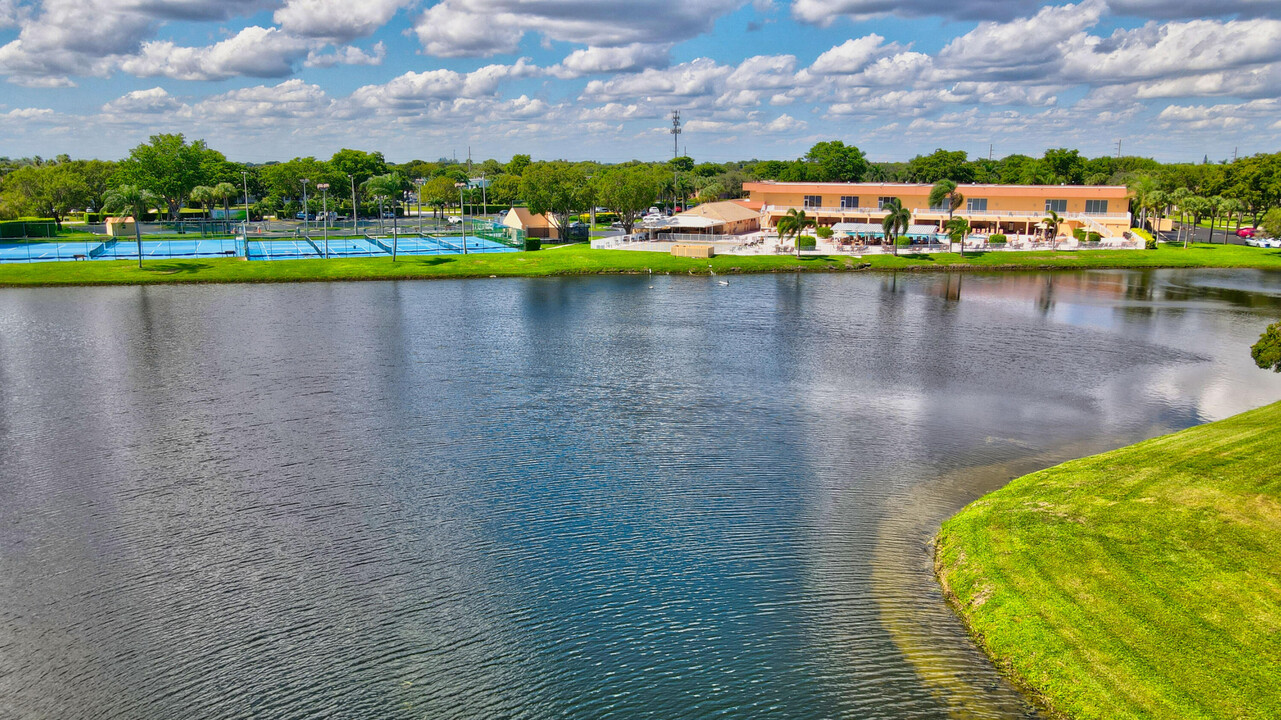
x=806 y=242
x=28 y=228
x=823 y=231
x=996 y=240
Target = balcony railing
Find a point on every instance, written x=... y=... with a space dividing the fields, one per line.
x=972 y=214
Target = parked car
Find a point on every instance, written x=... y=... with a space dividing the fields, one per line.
x=1263 y=242
x=305 y=216
x=1245 y=232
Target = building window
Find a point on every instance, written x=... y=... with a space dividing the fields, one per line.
x=813 y=201
x=849 y=202
x=1058 y=206
x=976 y=205
x=882 y=202
x=1096 y=207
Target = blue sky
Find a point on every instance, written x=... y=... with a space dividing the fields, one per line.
x=597 y=79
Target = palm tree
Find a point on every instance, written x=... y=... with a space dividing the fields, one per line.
x=896 y=222
x=204 y=195
x=1160 y=202
x=1179 y=198
x=384 y=188
x=793 y=225
x=1142 y=188
x=957 y=230
x=133 y=199
x=945 y=191
x=1214 y=208
x=225 y=191
x=1231 y=207
x=1052 y=222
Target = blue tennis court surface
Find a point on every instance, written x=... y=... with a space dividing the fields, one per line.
x=441 y=245
x=42 y=252
x=116 y=250
x=258 y=249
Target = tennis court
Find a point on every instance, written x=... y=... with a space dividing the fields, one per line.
x=440 y=245
x=157 y=249
x=292 y=249
x=115 y=250
x=45 y=252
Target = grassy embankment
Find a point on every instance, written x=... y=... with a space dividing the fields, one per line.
x=582 y=260
x=1141 y=583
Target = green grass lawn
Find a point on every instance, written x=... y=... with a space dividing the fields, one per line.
x=580 y=259
x=1141 y=583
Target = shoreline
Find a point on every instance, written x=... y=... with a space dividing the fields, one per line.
x=1093 y=584
x=580 y=260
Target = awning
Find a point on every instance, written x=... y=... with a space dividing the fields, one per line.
x=922 y=230
x=693 y=221
x=857 y=228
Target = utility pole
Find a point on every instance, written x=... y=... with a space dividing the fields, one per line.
x=676 y=152
x=991 y=148
x=1118 y=148
x=355 y=214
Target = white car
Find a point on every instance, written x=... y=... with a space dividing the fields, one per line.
x=1263 y=242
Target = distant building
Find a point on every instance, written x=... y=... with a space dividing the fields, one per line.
x=535 y=226
x=120 y=226
x=1014 y=209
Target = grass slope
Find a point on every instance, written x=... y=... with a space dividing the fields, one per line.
x=1141 y=583
x=581 y=260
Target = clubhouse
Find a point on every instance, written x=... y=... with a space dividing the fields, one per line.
x=990 y=209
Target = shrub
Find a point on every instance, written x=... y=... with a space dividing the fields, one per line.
x=532 y=243
x=1093 y=237
x=1079 y=234
x=823 y=231
x=28 y=228
x=996 y=240
x=1149 y=242
x=806 y=242
x=903 y=241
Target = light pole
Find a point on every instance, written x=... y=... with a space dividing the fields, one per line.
x=484 y=196
x=462 y=215
x=324 y=189
x=355 y=216
x=419 y=182
x=244 y=178
x=304 y=205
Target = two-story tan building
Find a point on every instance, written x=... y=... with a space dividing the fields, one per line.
x=1008 y=209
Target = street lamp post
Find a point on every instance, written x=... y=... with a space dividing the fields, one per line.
x=355 y=213
x=304 y=205
x=484 y=196
x=324 y=189
x=244 y=178
x=462 y=215
x=419 y=182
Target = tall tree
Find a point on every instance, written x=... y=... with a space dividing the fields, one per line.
x=46 y=190
x=168 y=167
x=224 y=192
x=834 y=161
x=556 y=189
x=627 y=190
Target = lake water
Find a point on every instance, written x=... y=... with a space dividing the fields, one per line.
x=615 y=497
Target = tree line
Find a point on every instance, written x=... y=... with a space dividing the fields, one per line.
x=178 y=174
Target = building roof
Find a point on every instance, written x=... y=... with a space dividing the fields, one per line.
x=528 y=219
x=724 y=211
x=1063 y=191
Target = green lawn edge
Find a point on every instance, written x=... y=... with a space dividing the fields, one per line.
x=582 y=260
x=1140 y=583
